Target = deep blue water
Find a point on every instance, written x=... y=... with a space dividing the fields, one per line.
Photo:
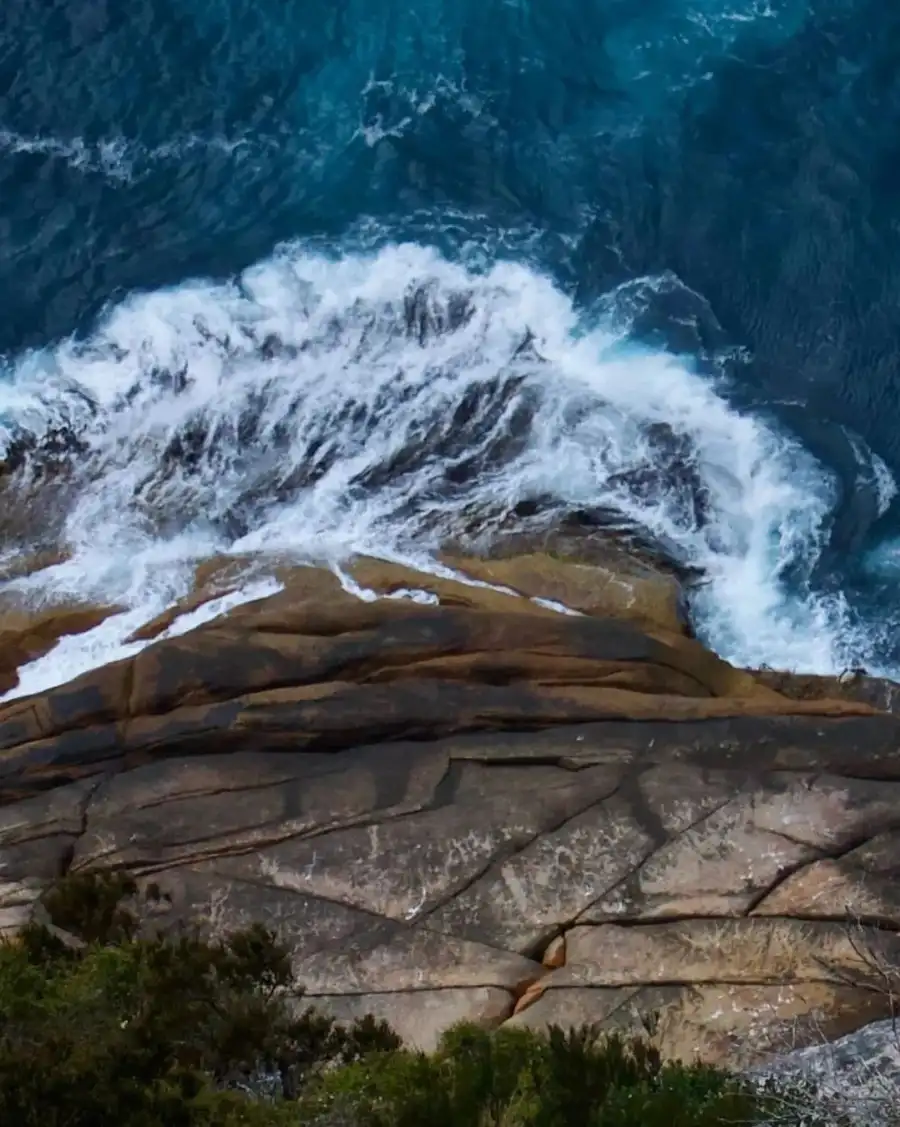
x=748 y=148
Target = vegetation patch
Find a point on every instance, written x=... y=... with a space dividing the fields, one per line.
x=104 y=1025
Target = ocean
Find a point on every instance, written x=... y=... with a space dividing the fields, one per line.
x=321 y=278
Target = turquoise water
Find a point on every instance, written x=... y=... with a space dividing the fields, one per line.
x=350 y=276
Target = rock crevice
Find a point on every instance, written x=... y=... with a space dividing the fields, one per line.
x=483 y=809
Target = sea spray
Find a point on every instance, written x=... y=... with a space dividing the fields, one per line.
x=320 y=405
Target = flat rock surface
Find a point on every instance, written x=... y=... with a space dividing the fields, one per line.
x=857 y=1077
x=456 y=802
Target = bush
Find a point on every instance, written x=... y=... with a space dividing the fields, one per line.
x=109 y=1029
x=104 y=1026
x=518 y=1078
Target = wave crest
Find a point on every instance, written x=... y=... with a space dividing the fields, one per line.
x=384 y=403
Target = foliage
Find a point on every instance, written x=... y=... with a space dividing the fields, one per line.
x=105 y=1025
x=518 y=1078
x=117 y=1029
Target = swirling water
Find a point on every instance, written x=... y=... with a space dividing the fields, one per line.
x=331 y=277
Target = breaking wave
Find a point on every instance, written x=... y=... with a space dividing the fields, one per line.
x=388 y=402
x=458 y=269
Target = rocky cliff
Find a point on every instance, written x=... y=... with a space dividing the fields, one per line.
x=532 y=801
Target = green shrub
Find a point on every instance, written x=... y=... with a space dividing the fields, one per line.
x=517 y=1078
x=128 y=1031
x=102 y=1025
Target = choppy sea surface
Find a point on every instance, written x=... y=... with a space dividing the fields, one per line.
x=358 y=276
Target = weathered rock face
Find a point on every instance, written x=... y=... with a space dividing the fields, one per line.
x=636 y=593
x=854 y=685
x=472 y=806
x=857 y=1077
x=650 y=598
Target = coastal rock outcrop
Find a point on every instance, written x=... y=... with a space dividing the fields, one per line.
x=27 y=634
x=853 y=684
x=457 y=801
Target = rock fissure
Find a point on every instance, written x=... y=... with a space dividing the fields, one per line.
x=68 y=857
x=262 y=885
x=823 y=853
x=458 y=811
x=634 y=873
x=849 y=920
x=547 y=985
x=497 y=861
x=414 y=990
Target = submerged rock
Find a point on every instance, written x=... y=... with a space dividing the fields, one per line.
x=671 y=471
x=17 y=565
x=44 y=453
x=428 y=314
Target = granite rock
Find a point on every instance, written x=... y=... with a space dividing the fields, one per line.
x=454 y=801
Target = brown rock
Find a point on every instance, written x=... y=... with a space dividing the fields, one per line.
x=164 y=620
x=314 y=664
x=421 y=1016
x=573 y=540
x=223 y=575
x=460 y=809
x=876 y=691
x=387 y=579
x=35 y=631
x=213 y=579
x=530 y=996
x=649 y=598
x=27 y=634
x=9 y=675
x=555 y=954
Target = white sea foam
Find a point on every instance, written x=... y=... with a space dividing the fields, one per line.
x=77 y=654
x=349 y=395
x=872 y=472
x=118 y=157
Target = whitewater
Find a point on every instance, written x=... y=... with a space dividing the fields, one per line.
x=382 y=402
x=289 y=284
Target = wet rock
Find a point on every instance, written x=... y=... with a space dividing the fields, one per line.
x=161 y=622
x=27 y=563
x=213 y=578
x=653 y=599
x=671 y=471
x=43 y=454
x=586 y=535
x=27 y=634
x=38 y=480
x=853 y=684
x=427 y=315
